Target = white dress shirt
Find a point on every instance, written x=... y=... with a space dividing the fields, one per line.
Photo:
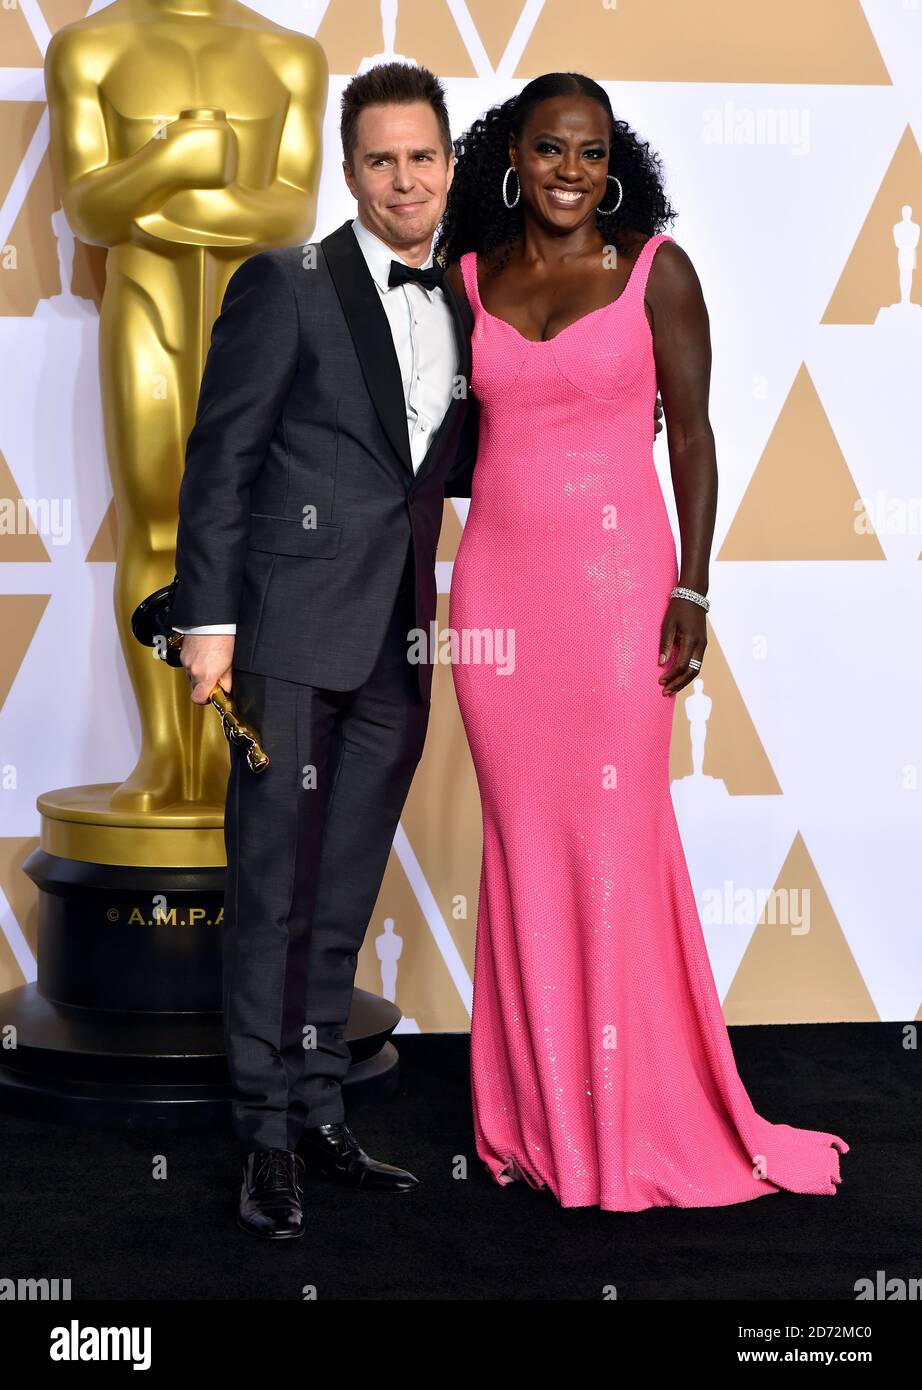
x=422 y=327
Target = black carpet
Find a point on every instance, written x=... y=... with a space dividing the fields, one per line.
x=85 y=1205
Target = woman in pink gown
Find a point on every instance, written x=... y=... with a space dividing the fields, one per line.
x=601 y=1066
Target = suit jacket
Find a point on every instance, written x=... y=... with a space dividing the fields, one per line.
x=299 y=501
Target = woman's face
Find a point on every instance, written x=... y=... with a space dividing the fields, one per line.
x=561 y=159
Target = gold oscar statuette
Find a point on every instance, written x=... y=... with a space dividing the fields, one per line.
x=185 y=137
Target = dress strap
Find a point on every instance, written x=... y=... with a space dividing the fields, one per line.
x=641 y=268
x=468 y=265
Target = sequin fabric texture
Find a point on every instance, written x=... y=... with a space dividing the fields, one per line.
x=601 y=1066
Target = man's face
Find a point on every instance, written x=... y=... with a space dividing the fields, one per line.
x=400 y=175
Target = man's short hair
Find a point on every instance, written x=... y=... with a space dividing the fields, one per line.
x=392 y=84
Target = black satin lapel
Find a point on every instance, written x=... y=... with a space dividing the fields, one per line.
x=463 y=342
x=464 y=326
x=371 y=334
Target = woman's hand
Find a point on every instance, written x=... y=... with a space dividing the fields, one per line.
x=685 y=628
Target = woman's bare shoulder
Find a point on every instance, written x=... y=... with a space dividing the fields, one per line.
x=672 y=264
x=673 y=281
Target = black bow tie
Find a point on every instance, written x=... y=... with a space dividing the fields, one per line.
x=429 y=278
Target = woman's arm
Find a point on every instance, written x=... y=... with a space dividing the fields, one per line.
x=682 y=352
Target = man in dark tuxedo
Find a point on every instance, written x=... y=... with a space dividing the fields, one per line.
x=333 y=419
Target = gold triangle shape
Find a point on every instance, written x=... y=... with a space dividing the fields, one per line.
x=350 y=32
x=495 y=21
x=799 y=978
x=449 y=846
x=18 y=889
x=11 y=975
x=18 y=124
x=426 y=32
x=870 y=277
x=656 y=42
x=733 y=751
x=20 y=615
x=450 y=534
x=60 y=12
x=20 y=546
x=105 y=543
x=801 y=500
x=38 y=272
x=17 y=42
x=425 y=990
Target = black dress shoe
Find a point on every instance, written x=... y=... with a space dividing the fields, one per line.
x=270 y=1198
x=333 y=1150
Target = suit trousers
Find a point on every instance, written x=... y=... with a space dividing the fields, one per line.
x=307 y=845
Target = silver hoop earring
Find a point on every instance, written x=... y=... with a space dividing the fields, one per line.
x=518 y=191
x=606 y=211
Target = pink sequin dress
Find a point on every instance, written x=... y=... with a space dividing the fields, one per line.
x=601 y=1066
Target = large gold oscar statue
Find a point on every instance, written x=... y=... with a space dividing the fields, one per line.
x=185 y=136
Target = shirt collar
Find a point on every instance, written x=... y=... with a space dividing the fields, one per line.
x=379 y=255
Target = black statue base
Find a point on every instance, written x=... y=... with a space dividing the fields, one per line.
x=123 y=1027
x=112 y=1069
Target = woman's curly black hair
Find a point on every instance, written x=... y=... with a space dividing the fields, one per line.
x=476 y=217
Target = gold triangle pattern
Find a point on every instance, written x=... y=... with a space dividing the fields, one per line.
x=803 y=976
x=20 y=615
x=105 y=543
x=733 y=751
x=870 y=278
x=351 y=32
x=656 y=42
x=785 y=515
x=19 y=544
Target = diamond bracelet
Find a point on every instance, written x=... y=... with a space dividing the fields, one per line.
x=681 y=592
